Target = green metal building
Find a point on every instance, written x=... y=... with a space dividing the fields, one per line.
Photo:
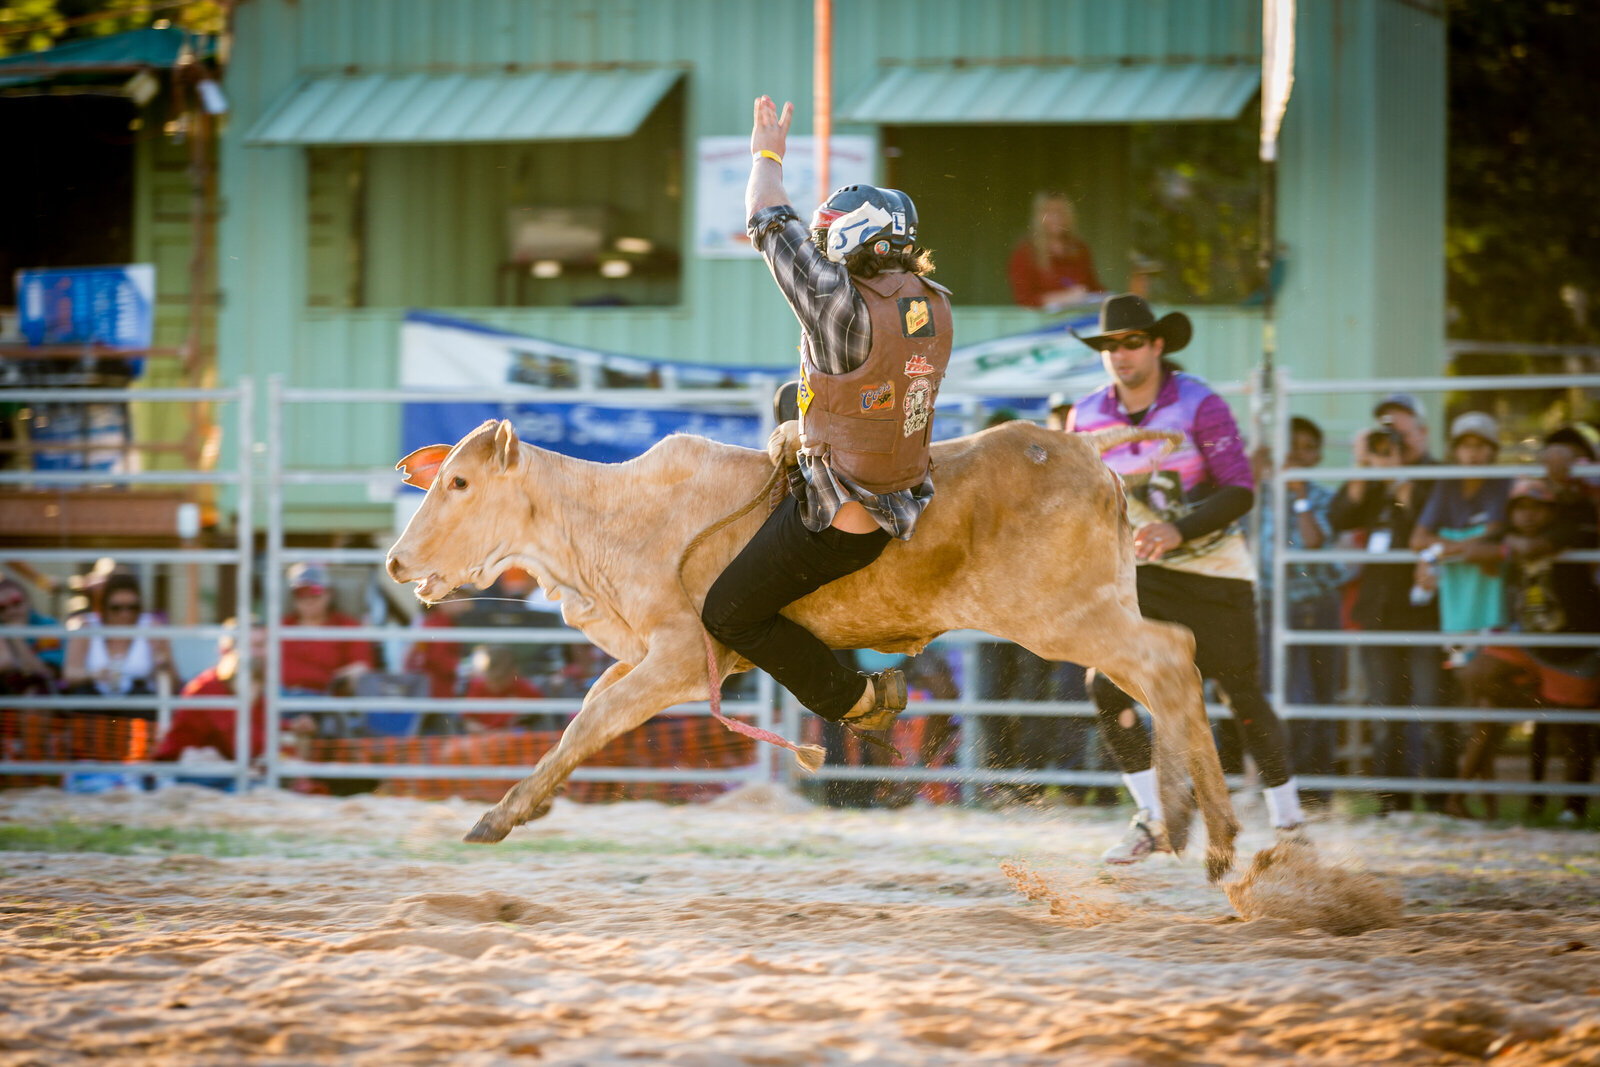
x=375 y=152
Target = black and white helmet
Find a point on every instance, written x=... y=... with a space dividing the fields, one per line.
x=864 y=216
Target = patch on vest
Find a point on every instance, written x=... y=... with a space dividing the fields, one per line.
x=915 y=318
x=802 y=398
x=878 y=397
x=916 y=367
x=919 y=407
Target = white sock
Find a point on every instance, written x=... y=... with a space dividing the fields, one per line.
x=1283 y=804
x=1142 y=784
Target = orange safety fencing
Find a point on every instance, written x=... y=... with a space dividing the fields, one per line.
x=36 y=735
x=688 y=743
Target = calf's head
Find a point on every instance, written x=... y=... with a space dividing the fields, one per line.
x=474 y=520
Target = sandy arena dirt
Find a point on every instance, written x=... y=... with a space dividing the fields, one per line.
x=758 y=929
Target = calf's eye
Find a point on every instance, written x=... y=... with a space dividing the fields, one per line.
x=458 y=482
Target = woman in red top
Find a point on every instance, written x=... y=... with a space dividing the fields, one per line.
x=1051 y=267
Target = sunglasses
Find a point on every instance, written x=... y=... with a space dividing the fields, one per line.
x=1130 y=342
x=6 y=605
x=123 y=605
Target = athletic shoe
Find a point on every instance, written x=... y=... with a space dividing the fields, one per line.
x=1293 y=835
x=1145 y=835
x=888 y=701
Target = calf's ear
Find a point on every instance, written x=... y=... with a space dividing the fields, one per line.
x=507 y=449
x=422 y=466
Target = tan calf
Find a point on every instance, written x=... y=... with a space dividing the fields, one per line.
x=1026 y=538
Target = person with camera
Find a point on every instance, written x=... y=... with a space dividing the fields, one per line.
x=1385 y=513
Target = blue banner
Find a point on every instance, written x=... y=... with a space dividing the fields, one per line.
x=599 y=432
x=112 y=307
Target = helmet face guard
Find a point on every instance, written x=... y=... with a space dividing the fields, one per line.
x=864 y=216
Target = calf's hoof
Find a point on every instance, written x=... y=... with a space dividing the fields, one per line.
x=1219 y=861
x=487 y=832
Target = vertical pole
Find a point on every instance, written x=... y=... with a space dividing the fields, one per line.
x=272 y=577
x=1282 y=517
x=967 y=756
x=244 y=687
x=822 y=94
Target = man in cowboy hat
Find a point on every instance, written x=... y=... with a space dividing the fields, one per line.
x=1194 y=566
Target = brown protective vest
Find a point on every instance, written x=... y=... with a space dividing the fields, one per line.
x=873 y=424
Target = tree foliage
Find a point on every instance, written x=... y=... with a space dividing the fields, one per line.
x=34 y=25
x=1523 y=240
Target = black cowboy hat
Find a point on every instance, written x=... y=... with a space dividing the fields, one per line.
x=1126 y=312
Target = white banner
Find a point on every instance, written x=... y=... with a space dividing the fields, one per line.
x=722 y=170
x=1277 y=70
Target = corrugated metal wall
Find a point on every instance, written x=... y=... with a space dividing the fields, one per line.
x=1362 y=198
x=287 y=274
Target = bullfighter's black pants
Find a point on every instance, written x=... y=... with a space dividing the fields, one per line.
x=782 y=563
x=1222 y=614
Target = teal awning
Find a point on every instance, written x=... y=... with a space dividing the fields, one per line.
x=1054 y=93
x=457 y=108
x=97 y=58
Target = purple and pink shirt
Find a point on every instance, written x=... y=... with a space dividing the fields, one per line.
x=1165 y=483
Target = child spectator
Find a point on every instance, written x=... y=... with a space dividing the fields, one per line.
x=1460 y=529
x=201 y=729
x=1545 y=596
x=494 y=676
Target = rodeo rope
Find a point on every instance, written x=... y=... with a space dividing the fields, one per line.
x=809 y=757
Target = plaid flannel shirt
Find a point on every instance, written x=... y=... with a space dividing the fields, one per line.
x=839 y=335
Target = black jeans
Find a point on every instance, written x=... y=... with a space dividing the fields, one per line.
x=782 y=563
x=1222 y=614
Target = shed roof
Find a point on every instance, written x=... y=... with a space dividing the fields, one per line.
x=115 y=55
x=463 y=107
x=1055 y=93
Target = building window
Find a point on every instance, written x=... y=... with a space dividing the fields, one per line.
x=1178 y=204
x=546 y=224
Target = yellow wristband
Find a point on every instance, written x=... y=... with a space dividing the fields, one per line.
x=770 y=154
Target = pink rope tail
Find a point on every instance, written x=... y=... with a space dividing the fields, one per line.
x=808 y=756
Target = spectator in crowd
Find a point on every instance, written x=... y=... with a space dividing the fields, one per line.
x=320 y=667
x=439 y=660
x=1577 y=500
x=1459 y=531
x=316 y=666
x=1194 y=566
x=1311 y=591
x=1577 y=507
x=118 y=666
x=210 y=732
x=1384 y=513
x=494 y=677
x=23 y=666
x=515 y=601
x=1546 y=596
x=1060 y=408
x=1458 y=534
x=1051 y=267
